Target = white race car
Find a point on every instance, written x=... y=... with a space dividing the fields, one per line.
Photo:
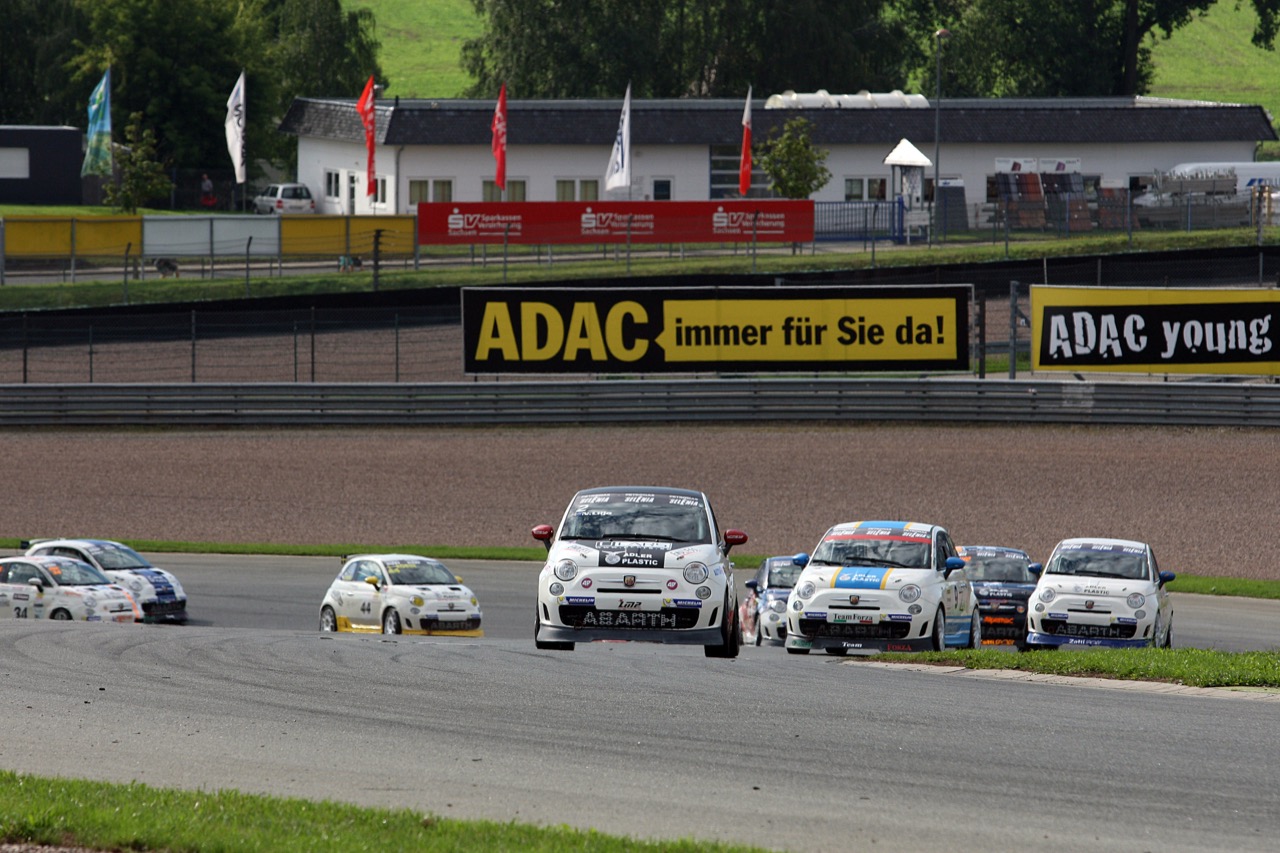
x=157 y=592
x=1101 y=592
x=399 y=594
x=62 y=588
x=638 y=563
x=883 y=586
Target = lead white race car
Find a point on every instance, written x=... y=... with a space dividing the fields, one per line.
x=640 y=563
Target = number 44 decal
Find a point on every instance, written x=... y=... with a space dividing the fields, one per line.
x=366 y=607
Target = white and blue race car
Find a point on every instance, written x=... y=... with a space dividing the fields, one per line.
x=1101 y=592
x=763 y=612
x=157 y=591
x=60 y=588
x=1003 y=579
x=883 y=586
x=640 y=563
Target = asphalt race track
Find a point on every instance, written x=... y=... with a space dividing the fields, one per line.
x=810 y=753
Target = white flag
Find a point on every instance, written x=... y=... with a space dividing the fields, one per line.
x=619 y=172
x=235 y=128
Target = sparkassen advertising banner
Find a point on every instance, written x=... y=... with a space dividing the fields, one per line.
x=758 y=329
x=539 y=222
x=1155 y=330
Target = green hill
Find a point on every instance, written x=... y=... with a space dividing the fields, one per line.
x=1211 y=59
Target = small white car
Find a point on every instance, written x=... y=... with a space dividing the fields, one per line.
x=883 y=586
x=642 y=563
x=157 y=592
x=284 y=198
x=1101 y=592
x=399 y=594
x=62 y=588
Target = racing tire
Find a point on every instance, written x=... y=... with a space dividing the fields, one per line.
x=835 y=652
x=939 y=638
x=60 y=615
x=758 y=636
x=1168 y=635
x=730 y=633
x=975 y=631
x=547 y=646
x=391 y=621
x=328 y=620
x=792 y=651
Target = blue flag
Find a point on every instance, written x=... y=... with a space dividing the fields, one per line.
x=97 y=156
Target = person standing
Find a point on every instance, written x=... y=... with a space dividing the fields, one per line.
x=207 y=199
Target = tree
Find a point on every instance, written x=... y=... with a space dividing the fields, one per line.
x=142 y=178
x=37 y=40
x=796 y=169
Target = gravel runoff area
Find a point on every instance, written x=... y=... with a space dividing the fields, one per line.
x=1203 y=497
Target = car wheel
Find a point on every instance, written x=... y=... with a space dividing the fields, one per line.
x=391 y=621
x=939 y=630
x=1168 y=635
x=729 y=632
x=792 y=651
x=975 y=631
x=757 y=637
x=837 y=652
x=328 y=621
x=60 y=615
x=550 y=647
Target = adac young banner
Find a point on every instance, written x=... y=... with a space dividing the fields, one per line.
x=539 y=222
x=1155 y=330
x=757 y=329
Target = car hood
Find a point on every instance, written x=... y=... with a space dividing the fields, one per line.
x=867 y=577
x=625 y=553
x=1077 y=585
x=1003 y=590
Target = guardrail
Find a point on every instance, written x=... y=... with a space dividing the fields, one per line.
x=644 y=401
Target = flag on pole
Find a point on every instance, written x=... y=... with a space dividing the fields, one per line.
x=618 y=174
x=97 y=156
x=499 y=128
x=744 y=162
x=235 y=128
x=365 y=106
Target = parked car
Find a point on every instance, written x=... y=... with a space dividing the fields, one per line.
x=646 y=563
x=883 y=586
x=1002 y=579
x=763 y=612
x=399 y=594
x=284 y=198
x=157 y=591
x=62 y=588
x=1101 y=592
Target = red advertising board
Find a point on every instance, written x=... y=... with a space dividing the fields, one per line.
x=542 y=222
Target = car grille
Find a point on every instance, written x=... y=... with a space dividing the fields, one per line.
x=873 y=631
x=579 y=616
x=164 y=608
x=458 y=625
x=1004 y=626
x=1062 y=628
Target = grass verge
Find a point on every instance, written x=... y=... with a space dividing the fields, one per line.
x=104 y=816
x=1192 y=667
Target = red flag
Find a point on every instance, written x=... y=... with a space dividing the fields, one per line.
x=365 y=106
x=499 y=128
x=744 y=164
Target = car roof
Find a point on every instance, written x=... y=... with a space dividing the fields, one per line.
x=45 y=543
x=1082 y=542
x=990 y=550
x=890 y=527
x=648 y=490
x=387 y=557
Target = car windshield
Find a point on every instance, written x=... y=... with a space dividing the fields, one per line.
x=415 y=572
x=874 y=551
x=636 y=515
x=75 y=573
x=785 y=575
x=119 y=557
x=297 y=192
x=1101 y=564
x=999 y=567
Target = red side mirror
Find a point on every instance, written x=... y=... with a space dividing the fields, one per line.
x=734 y=537
x=542 y=532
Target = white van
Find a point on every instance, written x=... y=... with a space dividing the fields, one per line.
x=1248 y=173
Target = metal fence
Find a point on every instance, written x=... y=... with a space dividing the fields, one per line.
x=644 y=401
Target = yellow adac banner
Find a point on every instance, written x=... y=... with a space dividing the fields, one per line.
x=1155 y=330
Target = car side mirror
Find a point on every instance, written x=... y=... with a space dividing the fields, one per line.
x=543 y=533
x=732 y=538
x=457 y=578
x=38 y=583
x=1035 y=568
x=752 y=585
x=801 y=559
x=951 y=565
x=372 y=581
x=1167 y=577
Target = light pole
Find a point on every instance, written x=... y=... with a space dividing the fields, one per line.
x=937 y=115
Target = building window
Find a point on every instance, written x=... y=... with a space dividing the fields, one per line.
x=419 y=191
x=380 y=191
x=571 y=189
x=426 y=189
x=565 y=190
x=589 y=190
x=662 y=189
x=855 y=189
x=516 y=191
x=489 y=191
x=725 y=160
x=442 y=191
x=332 y=185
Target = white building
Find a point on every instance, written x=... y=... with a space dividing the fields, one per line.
x=688 y=149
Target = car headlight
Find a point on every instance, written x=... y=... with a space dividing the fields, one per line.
x=909 y=593
x=806 y=590
x=1135 y=600
x=1047 y=594
x=695 y=573
x=778 y=606
x=566 y=570
x=416 y=601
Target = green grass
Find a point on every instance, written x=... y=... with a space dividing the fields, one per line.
x=139 y=817
x=422 y=44
x=1191 y=667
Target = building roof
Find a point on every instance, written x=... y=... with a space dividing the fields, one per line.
x=719 y=121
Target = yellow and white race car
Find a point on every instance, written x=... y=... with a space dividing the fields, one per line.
x=64 y=589
x=399 y=594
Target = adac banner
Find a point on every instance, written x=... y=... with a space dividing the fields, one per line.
x=1155 y=330
x=537 y=222
x=705 y=329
